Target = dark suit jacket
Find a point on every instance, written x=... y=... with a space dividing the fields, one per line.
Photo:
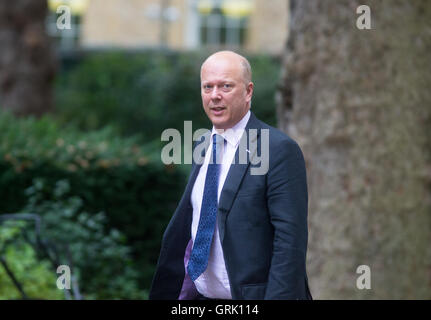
x=262 y=223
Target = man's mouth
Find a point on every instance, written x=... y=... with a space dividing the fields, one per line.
x=217 y=110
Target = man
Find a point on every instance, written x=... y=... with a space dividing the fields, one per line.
x=235 y=234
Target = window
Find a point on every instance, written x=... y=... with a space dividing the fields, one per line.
x=223 y=22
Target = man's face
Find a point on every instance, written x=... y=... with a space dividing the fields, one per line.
x=225 y=95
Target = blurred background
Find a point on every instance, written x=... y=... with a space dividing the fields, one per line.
x=88 y=86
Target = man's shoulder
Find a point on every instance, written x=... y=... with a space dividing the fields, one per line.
x=282 y=149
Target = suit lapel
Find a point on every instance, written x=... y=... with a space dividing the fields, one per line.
x=235 y=175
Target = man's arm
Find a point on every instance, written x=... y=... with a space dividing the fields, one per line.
x=287 y=204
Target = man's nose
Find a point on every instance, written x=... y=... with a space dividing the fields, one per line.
x=215 y=93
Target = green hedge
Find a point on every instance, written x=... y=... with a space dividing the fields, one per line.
x=36 y=276
x=106 y=173
x=145 y=93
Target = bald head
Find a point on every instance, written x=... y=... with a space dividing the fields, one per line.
x=232 y=58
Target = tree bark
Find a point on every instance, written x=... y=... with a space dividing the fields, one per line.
x=359 y=104
x=26 y=60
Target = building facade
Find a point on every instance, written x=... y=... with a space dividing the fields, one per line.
x=255 y=26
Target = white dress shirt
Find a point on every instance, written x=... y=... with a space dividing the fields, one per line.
x=214 y=281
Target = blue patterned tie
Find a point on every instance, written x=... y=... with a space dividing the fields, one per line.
x=201 y=248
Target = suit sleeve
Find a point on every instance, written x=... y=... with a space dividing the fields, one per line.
x=287 y=198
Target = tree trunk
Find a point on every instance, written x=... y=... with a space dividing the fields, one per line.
x=359 y=104
x=26 y=60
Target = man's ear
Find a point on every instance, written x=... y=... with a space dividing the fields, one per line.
x=249 y=89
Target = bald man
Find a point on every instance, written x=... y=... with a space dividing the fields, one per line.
x=240 y=229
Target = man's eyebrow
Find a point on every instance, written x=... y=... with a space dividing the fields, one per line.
x=219 y=80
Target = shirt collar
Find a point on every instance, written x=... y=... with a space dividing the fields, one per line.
x=233 y=135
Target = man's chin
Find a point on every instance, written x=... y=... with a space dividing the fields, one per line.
x=219 y=122
x=221 y=125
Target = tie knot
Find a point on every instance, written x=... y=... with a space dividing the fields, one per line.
x=217 y=139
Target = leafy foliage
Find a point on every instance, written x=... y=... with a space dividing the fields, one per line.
x=36 y=276
x=85 y=180
x=101 y=260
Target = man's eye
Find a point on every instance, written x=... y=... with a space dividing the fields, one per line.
x=227 y=85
